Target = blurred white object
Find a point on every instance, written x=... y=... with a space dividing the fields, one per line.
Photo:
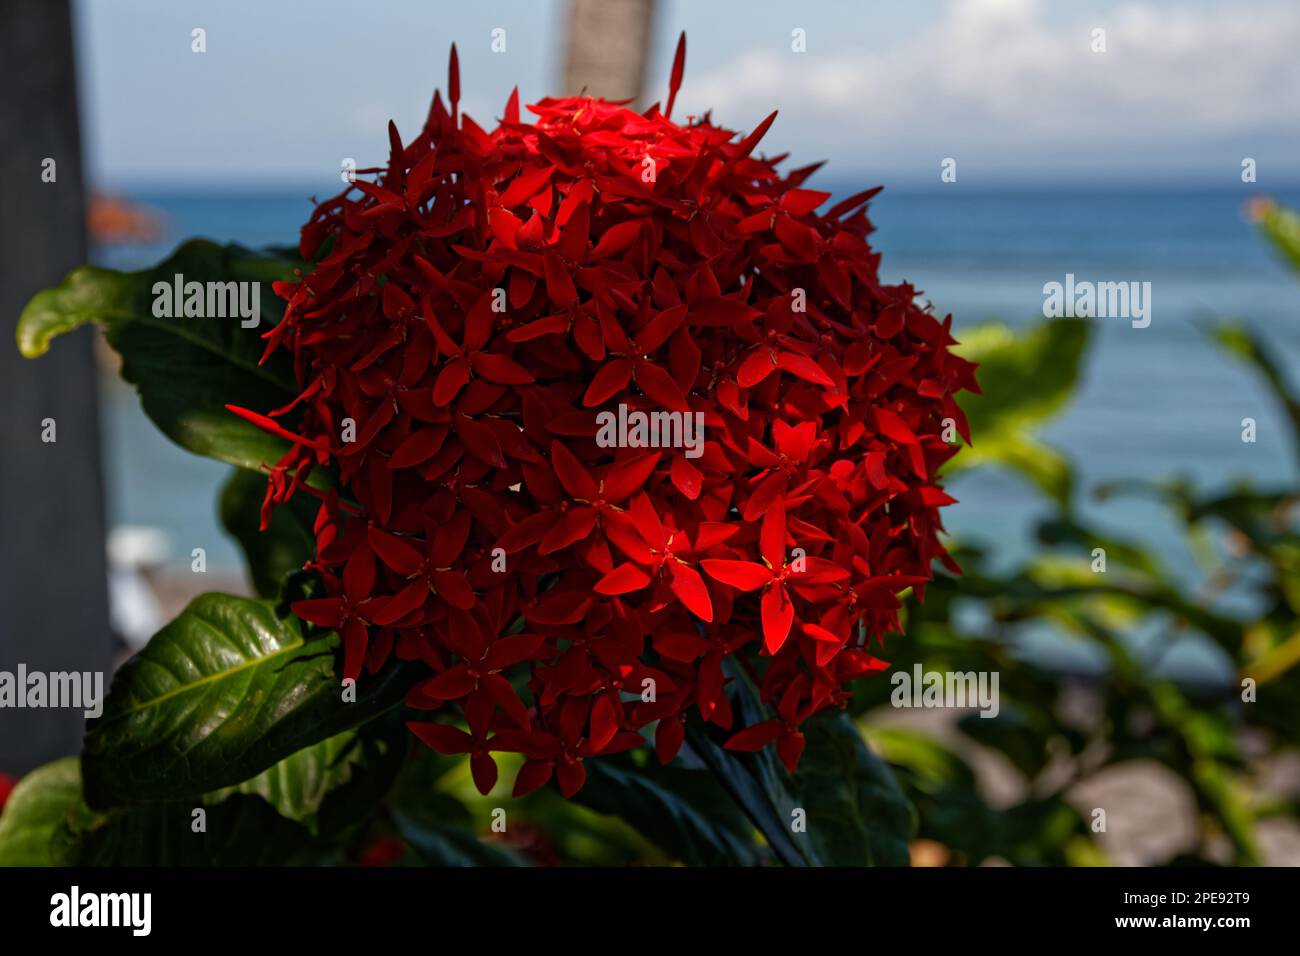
x=133 y=609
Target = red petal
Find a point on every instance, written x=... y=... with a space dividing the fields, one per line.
x=323 y=612
x=659 y=386
x=532 y=775
x=399 y=555
x=789 y=748
x=675 y=79
x=451 y=684
x=571 y=777
x=689 y=587
x=604 y=721
x=756 y=737
x=611 y=379
x=623 y=579
x=688 y=479
x=450 y=381
x=575 y=478
x=500 y=369
x=559 y=284
x=629 y=478
x=403 y=603
x=778 y=614
x=442 y=738
x=455 y=590
x=359 y=574
x=574 y=526
x=484 y=771
x=669 y=736
x=355 y=639
x=745 y=575
x=758 y=366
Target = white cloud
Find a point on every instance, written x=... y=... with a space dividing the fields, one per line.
x=1003 y=83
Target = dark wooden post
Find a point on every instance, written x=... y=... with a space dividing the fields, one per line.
x=53 y=581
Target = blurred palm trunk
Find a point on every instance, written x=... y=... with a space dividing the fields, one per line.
x=53 y=581
x=607 y=45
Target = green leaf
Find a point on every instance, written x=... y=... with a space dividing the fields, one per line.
x=682 y=811
x=297 y=785
x=37 y=811
x=441 y=831
x=219 y=695
x=1025 y=380
x=186 y=369
x=1241 y=342
x=1281 y=226
x=242 y=830
x=287 y=543
x=437 y=826
x=1042 y=466
x=856 y=812
x=1058 y=532
x=757 y=782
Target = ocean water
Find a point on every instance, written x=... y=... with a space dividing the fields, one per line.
x=1153 y=402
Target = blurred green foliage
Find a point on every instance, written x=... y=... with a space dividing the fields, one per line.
x=1059 y=731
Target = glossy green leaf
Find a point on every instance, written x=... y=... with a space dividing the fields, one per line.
x=854 y=812
x=757 y=782
x=857 y=814
x=219 y=695
x=297 y=784
x=186 y=369
x=682 y=811
x=241 y=830
x=36 y=811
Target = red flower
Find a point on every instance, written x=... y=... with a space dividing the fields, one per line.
x=475 y=308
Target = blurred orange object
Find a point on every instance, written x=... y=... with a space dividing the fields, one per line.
x=113 y=219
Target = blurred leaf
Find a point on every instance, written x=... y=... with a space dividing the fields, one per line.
x=1014 y=736
x=1063 y=531
x=1242 y=342
x=1281 y=226
x=952 y=812
x=1025 y=378
x=435 y=824
x=1044 y=467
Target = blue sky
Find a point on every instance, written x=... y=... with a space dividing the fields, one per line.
x=885 y=91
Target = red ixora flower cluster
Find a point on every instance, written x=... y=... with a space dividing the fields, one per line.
x=472 y=311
